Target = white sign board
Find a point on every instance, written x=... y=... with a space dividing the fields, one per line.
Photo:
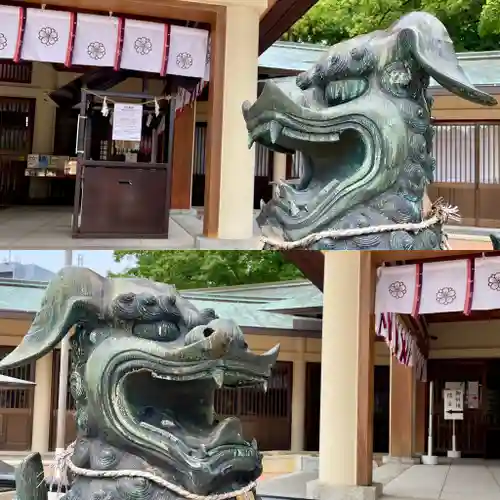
x=453 y=404
x=450 y=386
x=473 y=395
x=127 y=122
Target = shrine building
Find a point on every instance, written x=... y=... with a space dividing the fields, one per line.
x=361 y=341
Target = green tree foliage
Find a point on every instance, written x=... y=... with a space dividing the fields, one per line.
x=473 y=24
x=202 y=269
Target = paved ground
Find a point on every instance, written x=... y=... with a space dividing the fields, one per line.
x=464 y=480
x=50 y=227
x=460 y=481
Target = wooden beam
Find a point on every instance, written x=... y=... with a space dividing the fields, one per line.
x=280 y=18
x=182 y=163
x=401 y=410
x=141 y=9
x=366 y=353
x=310 y=262
x=213 y=151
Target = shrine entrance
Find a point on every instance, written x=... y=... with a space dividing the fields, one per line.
x=478 y=434
x=123 y=172
x=64 y=146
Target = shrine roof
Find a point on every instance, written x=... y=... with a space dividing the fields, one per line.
x=260 y=306
x=482 y=68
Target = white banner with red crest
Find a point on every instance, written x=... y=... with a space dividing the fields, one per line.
x=74 y=39
x=187 y=52
x=96 y=40
x=444 y=287
x=144 y=46
x=47 y=36
x=486 y=289
x=454 y=285
x=12 y=19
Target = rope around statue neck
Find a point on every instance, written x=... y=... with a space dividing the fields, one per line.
x=439 y=214
x=151 y=476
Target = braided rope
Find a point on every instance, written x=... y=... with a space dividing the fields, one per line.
x=439 y=214
x=151 y=476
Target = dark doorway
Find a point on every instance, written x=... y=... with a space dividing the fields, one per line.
x=380 y=414
x=381 y=409
x=313 y=394
x=492 y=409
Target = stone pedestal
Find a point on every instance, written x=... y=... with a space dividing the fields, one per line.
x=324 y=491
x=388 y=459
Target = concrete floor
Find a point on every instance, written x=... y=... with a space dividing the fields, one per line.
x=50 y=228
x=476 y=480
x=462 y=480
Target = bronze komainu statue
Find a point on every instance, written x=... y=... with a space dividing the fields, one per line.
x=145 y=366
x=361 y=118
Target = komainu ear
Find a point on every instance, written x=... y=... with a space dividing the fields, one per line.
x=72 y=297
x=428 y=41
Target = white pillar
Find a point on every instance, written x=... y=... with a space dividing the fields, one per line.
x=42 y=405
x=298 y=405
x=237 y=166
x=347 y=360
x=279 y=167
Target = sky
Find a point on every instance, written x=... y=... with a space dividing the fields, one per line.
x=100 y=261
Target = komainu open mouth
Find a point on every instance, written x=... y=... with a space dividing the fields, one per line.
x=146 y=365
x=169 y=394
x=361 y=119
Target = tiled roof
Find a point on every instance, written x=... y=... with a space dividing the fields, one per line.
x=482 y=68
x=250 y=306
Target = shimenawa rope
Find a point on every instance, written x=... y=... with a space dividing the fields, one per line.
x=439 y=214
x=64 y=461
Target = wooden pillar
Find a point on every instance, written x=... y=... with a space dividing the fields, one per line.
x=298 y=404
x=420 y=417
x=347 y=368
x=213 y=150
x=402 y=405
x=182 y=162
x=42 y=404
x=230 y=165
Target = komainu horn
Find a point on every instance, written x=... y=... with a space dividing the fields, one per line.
x=361 y=119
x=145 y=364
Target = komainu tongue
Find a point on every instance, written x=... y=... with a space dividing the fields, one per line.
x=227 y=432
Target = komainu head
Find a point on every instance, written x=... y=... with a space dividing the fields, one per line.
x=361 y=119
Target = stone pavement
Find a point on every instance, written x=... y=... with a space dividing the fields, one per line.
x=50 y=228
x=462 y=480
x=32 y=227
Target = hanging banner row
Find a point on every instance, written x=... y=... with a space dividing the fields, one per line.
x=91 y=40
x=401 y=343
x=438 y=287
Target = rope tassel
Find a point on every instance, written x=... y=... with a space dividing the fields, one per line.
x=64 y=463
x=440 y=213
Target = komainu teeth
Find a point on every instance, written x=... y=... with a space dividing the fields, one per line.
x=275 y=131
x=218 y=377
x=264 y=386
x=294 y=210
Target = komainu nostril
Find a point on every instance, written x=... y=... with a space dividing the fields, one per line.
x=207 y=332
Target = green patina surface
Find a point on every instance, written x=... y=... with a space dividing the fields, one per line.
x=360 y=117
x=144 y=370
